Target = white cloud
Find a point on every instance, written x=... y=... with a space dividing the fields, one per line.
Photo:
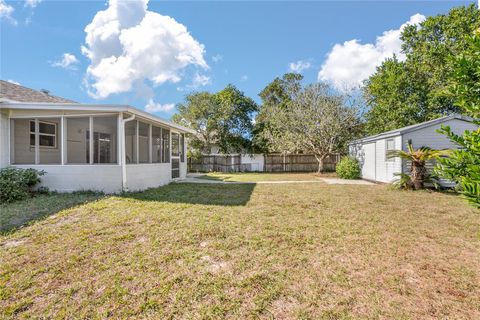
x=32 y=3
x=13 y=81
x=200 y=80
x=217 y=58
x=6 y=12
x=153 y=106
x=244 y=78
x=126 y=43
x=68 y=61
x=348 y=64
x=299 y=66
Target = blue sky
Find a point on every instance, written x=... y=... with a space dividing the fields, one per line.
x=244 y=43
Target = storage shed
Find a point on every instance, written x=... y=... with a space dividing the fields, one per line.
x=372 y=151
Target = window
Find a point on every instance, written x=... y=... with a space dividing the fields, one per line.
x=166 y=146
x=389 y=146
x=156 y=144
x=35 y=141
x=47 y=134
x=182 y=147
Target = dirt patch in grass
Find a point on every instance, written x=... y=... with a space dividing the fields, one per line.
x=308 y=251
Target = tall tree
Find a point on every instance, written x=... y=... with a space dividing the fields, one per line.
x=397 y=99
x=401 y=93
x=315 y=121
x=276 y=96
x=463 y=165
x=220 y=119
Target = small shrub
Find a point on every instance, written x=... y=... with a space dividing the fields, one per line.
x=348 y=168
x=17 y=184
x=404 y=182
x=43 y=190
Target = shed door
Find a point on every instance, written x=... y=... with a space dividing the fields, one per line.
x=369 y=162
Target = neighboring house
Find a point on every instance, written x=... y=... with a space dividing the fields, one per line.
x=101 y=147
x=372 y=151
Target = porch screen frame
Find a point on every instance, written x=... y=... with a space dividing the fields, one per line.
x=61 y=137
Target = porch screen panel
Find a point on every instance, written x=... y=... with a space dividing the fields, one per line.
x=131 y=142
x=156 y=144
x=175 y=168
x=175 y=144
x=166 y=145
x=78 y=140
x=48 y=140
x=22 y=150
x=182 y=147
x=105 y=142
x=143 y=142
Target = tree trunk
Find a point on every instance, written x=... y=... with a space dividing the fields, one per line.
x=320 y=163
x=417 y=174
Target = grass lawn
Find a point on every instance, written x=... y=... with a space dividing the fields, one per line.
x=307 y=251
x=14 y=215
x=261 y=176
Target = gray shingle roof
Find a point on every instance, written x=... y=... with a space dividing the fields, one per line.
x=14 y=92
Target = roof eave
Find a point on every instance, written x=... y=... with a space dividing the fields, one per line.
x=419 y=126
x=376 y=137
x=92 y=107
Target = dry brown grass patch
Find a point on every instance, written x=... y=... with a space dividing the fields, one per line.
x=243 y=251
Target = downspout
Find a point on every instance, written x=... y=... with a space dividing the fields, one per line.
x=122 y=160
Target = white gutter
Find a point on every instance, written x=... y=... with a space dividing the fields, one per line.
x=122 y=146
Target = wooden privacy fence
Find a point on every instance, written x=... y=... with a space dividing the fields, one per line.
x=298 y=163
x=266 y=162
x=217 y=163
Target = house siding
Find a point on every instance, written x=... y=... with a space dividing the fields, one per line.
x=149 y=175
x=4 y=143
x=69 y=178
x=183 y=170
x=430 y=137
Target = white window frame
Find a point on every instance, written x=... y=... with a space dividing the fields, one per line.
x=387 y=159
x=55 y=135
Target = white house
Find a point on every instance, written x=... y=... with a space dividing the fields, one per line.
x=372 y=151
x=101 y=147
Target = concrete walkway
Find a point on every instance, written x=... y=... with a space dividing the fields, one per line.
x=194 y=178
x=345 y=181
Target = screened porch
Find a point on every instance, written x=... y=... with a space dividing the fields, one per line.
x=92 y=140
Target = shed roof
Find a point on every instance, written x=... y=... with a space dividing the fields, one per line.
x=413 y=127
x=14 y=92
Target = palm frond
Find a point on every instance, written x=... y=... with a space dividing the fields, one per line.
x=423 y=153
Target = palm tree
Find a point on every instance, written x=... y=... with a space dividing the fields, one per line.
x=417 y=159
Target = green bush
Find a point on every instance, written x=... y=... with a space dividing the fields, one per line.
x=17 y=184
x=348 y=168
